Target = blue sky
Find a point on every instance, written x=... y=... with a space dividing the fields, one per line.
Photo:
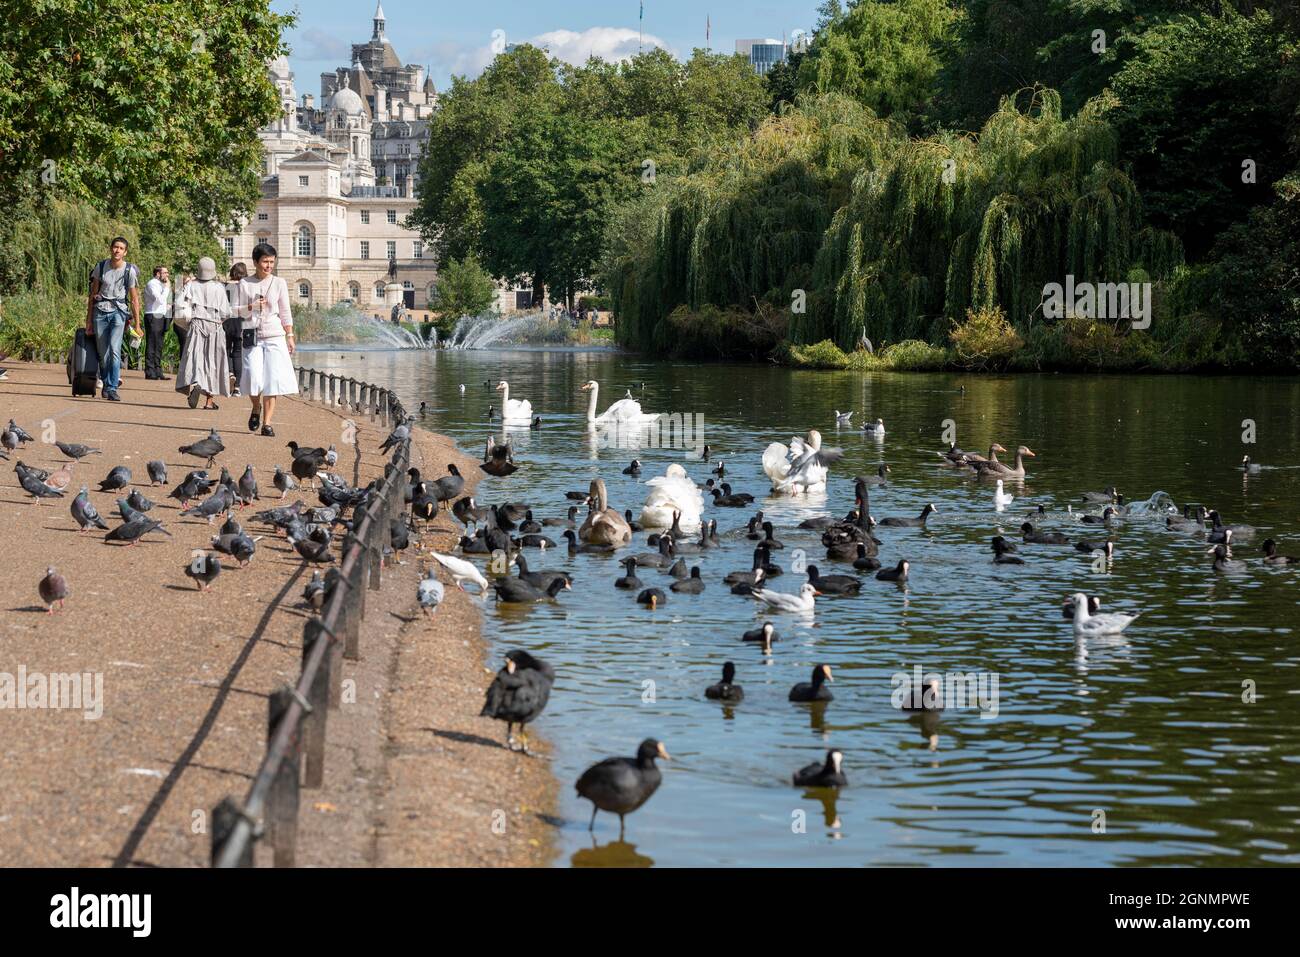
x=457 y=37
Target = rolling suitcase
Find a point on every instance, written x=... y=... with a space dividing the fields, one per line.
x=83 y=364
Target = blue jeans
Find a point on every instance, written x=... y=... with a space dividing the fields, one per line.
x=109 y=327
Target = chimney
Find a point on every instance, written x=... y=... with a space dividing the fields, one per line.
x=307 y=101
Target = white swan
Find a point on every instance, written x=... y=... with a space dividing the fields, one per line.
x=623 y=412
x=514 y=410
x=669 y=493
x=801 y=467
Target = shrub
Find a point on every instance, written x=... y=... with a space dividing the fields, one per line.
x=37 y=323
x=985 y=340
x=819 y=355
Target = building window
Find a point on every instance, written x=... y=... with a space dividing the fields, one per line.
x=417 y=250
x=392 y=216
x=263 y=217
x=391 y=245
x=304 y=242
x=365 y=217
x=379 y=292
x=431 y=294
x=408 y=286
x=228 y=244
x=365 y=249
x=354 y=291
x=304 y=289
x=302 y=180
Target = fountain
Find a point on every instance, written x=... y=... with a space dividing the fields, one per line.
x=344 y=325
x=489 y=330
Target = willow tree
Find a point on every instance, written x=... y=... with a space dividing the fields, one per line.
x=954 y=222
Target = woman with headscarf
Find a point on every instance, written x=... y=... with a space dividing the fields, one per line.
x=203 y=369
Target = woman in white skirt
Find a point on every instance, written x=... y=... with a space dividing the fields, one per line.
x=203 y=360
x=268 y=340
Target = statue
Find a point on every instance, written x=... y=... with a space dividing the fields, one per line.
x=392 y=269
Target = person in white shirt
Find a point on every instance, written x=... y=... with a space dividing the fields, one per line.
x=157 y=313
x=269 y=340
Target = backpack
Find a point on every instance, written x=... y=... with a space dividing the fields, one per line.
x=98 y=273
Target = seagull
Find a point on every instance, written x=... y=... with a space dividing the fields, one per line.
x=842 y=418
x=1001 y=499
x=461 y=571
x=1087 y=625
x=876 y=429
x=783 y=601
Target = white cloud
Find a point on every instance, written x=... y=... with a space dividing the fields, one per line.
x=313 y=44
x=608 y=43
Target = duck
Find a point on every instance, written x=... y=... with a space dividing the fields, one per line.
x=1002 y=552
x=814 y=690
x=1104 y=518
x=689 y=586
x=513 y=410
x=1087 y=546
x=955 y=456
x=1249 y=467
x=765 y=633
x=652 y=597
x=1087 y=625
x=826 y=774
x=879 y=478
x=993 y=467
x=1001 y=499
x=918 y=522
x=518 y=693
x=1223 y=562
x=586 y=548
x=628 y=580
x=726 y=689
x=541 y=579
x=1028 y=534
x=516 y=590
x=461 y=571
x=1271 y=556
x=569 y=521
x=896 y=574
x=842 y=418
x=768 y=538
x=875 y=429
x=1109 y=495
x=833 y=584
x=621 y=785
x=805 y=601
x=603 y=525
x=626 y=411
x=802 y=466
x=497 y=459
x=672 y=492
x=865 y=562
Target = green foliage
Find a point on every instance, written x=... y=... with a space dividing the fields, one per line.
x=37 y=323
x=819 y=355
x=985 y=340
x=464 y=289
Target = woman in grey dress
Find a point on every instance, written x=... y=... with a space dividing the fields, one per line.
x=204 y=369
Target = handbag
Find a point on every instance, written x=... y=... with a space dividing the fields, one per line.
x=248 y=338
x=182 y=312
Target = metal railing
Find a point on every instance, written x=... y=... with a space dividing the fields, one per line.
x=295 y=753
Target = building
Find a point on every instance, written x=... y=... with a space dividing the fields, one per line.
x=339 y=181
x=763 y=54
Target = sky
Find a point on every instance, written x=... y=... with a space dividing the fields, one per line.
x=458 y=37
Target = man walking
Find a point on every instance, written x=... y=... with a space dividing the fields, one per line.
x=114 y=299
x=157 y=313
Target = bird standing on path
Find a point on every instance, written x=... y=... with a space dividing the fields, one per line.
x=518 y=694
x=74 y=451
x=204 y=569
x=54 y=590
x=207 y=448
x=118 y=477
x=157 y=472
x=85 y=513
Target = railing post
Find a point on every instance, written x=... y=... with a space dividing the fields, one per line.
x=379 y=535
x=313 y=723
x=224 y=818
x=383 y=407
x=311 y=386
x=281 y=808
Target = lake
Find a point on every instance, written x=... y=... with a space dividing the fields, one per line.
x=1177 y=743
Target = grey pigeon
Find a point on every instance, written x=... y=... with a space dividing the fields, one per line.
x=283 y=482
x=331 y=457
x=21 y=433
x=119 y=477
x=8 y=440
x=248 y=485
x=132 y=531
x=138 y=501
x=36 y=488
x=313 y=551
x=204 y=569
x=230 y=526
x=74 y=451
x=397 y=436
x=238 y=545
x=314 y=593
x=85 y=513
x=54 y=590
x=219 y=501
x=208 y=448
x=429 y=592
x=157 y=472
x=128 y=512
x=192 y=487
x=23 y=468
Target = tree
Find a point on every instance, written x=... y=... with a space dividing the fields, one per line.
x=464 y=288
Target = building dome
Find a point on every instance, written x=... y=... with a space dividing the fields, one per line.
x=346 y=100
x=280 y=68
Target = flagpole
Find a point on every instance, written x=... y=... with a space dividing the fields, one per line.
x=640 y=23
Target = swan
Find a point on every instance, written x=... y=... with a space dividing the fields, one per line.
x=512 y=410
x=672 y=492
x=604 y=526
x=1087 y=625
x=624 y=411
x=801 y=467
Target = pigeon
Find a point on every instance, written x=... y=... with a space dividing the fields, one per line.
x=132 y=531
x=283 y=482
x=397 y=436
x=138 y=501
x=157 y=472
x=461 y=570
x=128 y=512
x=19 y=432
x=61 y=477
x=54 y=590
x=305 y=467
x=8 y=440
x=204 y=569
x=313 y=551
x=219 y=501
x=238 y=545
x=314 y=593
x=22 y=468
x=331 y=457
x=74 y=451
x=85 y=513
x=119 y=477
x=194 y=485
x=248 y=485
x=429 y=592
x=208 y=448
x=36 y=488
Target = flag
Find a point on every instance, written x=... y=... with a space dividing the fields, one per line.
x=708 y=28
x=642 y=14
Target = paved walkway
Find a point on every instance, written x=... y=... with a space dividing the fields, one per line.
x=186 y=674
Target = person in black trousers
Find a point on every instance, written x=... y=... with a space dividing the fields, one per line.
x=179 y=328
x=157 y=316
x=234 y=345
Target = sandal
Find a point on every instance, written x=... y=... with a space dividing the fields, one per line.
x=254 y=421
x=211 y=408
x=267 y=430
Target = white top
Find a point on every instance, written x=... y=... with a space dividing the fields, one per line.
x=276 y=318
x=157 y=297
